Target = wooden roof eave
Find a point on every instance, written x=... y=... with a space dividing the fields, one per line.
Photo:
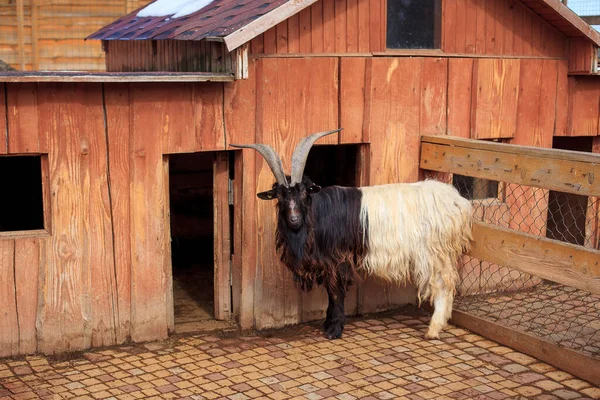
x=265 y=22
x=567 y=15
x=116 y=77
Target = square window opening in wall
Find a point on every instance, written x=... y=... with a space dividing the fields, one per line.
x=22 y=203
x=413 y=24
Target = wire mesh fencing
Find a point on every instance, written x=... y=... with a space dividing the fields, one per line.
x=564 y=315
x=49 y=35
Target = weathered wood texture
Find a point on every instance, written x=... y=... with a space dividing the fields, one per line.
x=49 y=35
x=498 y=27
x=559 y=170
x=490 y=27
x=583 y=106
x=3 y=130
x=564 y=263
x=340 y=26
x=168 y=55
x=583 y=56
x=104 y=277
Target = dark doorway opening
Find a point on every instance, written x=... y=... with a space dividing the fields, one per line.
x=329 y=165
x=567 y=211
x=192 y=238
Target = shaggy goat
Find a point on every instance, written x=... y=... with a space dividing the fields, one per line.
x=399 y=232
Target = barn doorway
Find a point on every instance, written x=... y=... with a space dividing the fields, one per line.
x=567 y=211
x=200 y=231
x=329 y=165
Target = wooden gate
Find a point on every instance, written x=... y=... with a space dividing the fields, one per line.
x=529 y=282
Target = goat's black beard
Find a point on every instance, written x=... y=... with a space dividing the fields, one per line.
x=296 y=252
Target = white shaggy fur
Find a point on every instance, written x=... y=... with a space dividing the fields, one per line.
x=416 y=232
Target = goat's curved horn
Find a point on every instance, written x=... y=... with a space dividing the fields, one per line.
x=272 y=159
x=301 y=154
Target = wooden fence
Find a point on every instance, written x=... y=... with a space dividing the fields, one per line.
x=507 y=242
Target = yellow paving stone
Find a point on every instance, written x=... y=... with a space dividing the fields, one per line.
x=576 y=384
x=278 y=396
x=593 y=392
x=210 y=395
x=528 y=391
x=359 y=393
x=101 y=395
x=398 y=391
x=548 y=385
x=456 y=386
x=441 y=390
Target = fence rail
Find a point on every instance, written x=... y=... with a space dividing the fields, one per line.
x=532 y=278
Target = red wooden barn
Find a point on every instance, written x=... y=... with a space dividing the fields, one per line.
x=140 y=201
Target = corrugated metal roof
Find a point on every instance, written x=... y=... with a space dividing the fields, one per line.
x=218 y=19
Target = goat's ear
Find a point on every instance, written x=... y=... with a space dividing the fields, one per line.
x=268 y=195
x=312 y=189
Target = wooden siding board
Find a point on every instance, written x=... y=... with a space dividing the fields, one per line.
x=293 y=34
x=376 y=26
x=3 y=120
x=251 y=283
x=289 y=107
x=208 y=116
x=562 y=99
x=64 y=323
x=281 y=30
x=340 y=25
x=305 y=31
x=318 y=24
x=352 y=98
x=395 y=119
x=460 y=34
x=119 y=127
x=24 y=130
x=329 y=26
x=584 y=106
x=434 y=87
x=363 y=25
x=240 y=108
x=460 y=73
x=222 y=238
x=103 y=305
x=352 y=26
x=178 y=129
x=495 y=100
x=9 y=326
x=449 y=31
x=148 y=295
x=27 y=264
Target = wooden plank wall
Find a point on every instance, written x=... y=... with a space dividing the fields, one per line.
x=482 y=27
x=498 y=27
x=114 y=175
x=100 y=278
x=327 y=26
x=52 y=34
x=168 y=55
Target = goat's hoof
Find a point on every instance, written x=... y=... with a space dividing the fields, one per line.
x=432 y=336
x=334 y=332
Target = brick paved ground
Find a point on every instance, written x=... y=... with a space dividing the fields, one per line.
x=383 y=357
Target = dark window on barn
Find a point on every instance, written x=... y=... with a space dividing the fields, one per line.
x=21 y=203
x=413 y=24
